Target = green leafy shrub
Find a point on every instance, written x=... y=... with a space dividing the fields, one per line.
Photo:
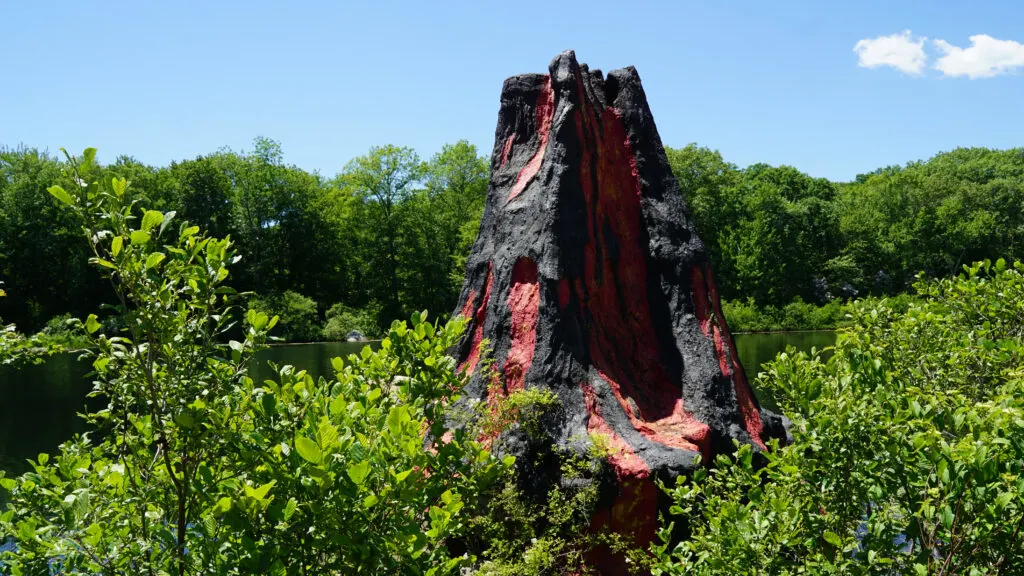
x=298 y=314
x=199 y=470
x=748 y=316
x=17 y=349
x=537 y=522
x=908 y=452
x=343 y=319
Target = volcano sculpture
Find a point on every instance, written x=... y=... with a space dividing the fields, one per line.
x=588 y=279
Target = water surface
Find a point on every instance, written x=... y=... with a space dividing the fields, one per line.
x=39 y=404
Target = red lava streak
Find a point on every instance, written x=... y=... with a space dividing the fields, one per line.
x=623 y=343
x=545 y=111
x=505 y=151
x=467 y=308
x=706 y=300
x=523 y=305
x=478 y=320
x=635 y=510
x=744 y=395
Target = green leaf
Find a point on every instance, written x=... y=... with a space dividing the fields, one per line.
x=139 y=237
x=222 y=505
x=326 y=434
x=88 y=157
x=105 y=263
x=358 y=472
x=374 y=393
x=184 y=419
x=166 y=221
x=261 y=492
x=94 y=533
x=115 y=246
x=119 y=185
x=833 y=539
x=91 y=324
x=154 y=260
x=370 y=501
x=308 y=449
x=397 y=417
x=947 y=517
x=1003 y=499
x=257 y=319
x=289 y=508
x=27 y=530
x=401 y=476
x=338 y=405
x=61 y=194
x=150 y=219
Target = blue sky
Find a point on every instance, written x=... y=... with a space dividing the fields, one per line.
x=775 y=82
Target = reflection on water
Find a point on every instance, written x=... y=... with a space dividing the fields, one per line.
x=39 y=404
x=756 y=349
x=314 y=358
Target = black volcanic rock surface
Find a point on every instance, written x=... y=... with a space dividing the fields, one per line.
x=588 y=279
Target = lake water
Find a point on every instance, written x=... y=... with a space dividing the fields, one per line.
x=38 y=404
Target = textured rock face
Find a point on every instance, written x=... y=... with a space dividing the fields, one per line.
x=587 y=278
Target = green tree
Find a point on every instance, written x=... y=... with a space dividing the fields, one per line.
x=202 y=471
x=708 y=184
x=205 y=194
x=457 y=179
x=383 y=180
x=42 y=259
x=907 y=453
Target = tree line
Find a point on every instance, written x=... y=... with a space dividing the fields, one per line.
x=776 y=235
x=390 y=233
x=387 y=235
x=906 y=455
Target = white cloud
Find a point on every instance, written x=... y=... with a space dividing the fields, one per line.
x=984 y=58
x=901 y=51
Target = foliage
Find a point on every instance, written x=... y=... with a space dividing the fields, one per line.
x=411 y=217
x=299 y=321
x=43 y=263
x=17 y=349
x=748 y=316
x=384 y=180
x=521 y=535
x=797 y=315
x=774 y=234
x=537 y=522
x=341 y=320
x=198 y=469
x=908 y=451
x=395 y=231
x=327 y=239
x=769 y=230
